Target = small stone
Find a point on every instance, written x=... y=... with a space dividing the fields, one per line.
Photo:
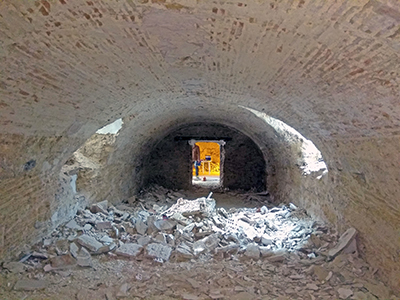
x=344 y=293
x=30 y=285
x=187 y=296
x=123 y=290
x=265 y=251
x=87 y=227
x=47 y=268
x=243 y=296
x=252 y=251
x=144 y=240
x=14 y=267
x=312 y=286
x=89 y=242
x=83 y=261
x=73 y=225
x=62 y=262
x=141 y=227
x=266 y=241
x=159 y=251
x=39 y=255
x=344 y=241
x=320 y=272
x=73 y=249
x=183 y=251
x=106 y=239
x=100 y=207
x=47 y=242
x=129 y=250
x=276 y=258
x=165 y=225
x=103 y=225
x=161 y=238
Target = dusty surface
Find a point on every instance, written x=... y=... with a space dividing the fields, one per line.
x=311 y=272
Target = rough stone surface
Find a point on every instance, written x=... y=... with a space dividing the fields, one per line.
x=30 y=285
x=252 y=251
x=129 y=250
x=158 y=251
x=89 y=242
x=328 y=69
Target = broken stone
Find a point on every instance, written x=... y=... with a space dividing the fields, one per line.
x=165 y=225
x=266 y=241
x=252 y=251
x=208 y=243
x=123 y=290
x=39 y=255
x=47 y=268
x=14 y=267
x=106 y=240
x=129 y=250
x=184 y=251
x=73 y=225
x=73 y=249
x=320 y=272
x=47 y=242
x=144 y=240
x=159 y=251
x=103 y=225
x=84 y=260
x=161 y=238
x=87 y=227
x=344 y=293
x=90 y=243
x=100 y=207
x=62 y=262
x=143 y=215
x=277 y=258
x=178 y=217
x=312 y=286
x=265 y=251
x=343 y=242
x=141 y=227
x=30 y=285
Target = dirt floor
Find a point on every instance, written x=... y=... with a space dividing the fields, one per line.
x=208 y=276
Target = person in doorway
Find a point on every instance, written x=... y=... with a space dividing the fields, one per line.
x=196 y=159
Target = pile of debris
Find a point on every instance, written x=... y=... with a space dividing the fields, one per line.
x=186 y=230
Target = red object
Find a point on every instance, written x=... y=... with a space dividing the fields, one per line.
x=204 y=178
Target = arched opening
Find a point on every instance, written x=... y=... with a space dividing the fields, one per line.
x=170 y=162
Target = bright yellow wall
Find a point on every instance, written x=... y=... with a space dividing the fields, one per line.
x=212 y=149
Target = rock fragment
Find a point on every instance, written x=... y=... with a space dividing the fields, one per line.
x=129 y=250
x=90 y=243
x=30 y=285
x=346 y=238
x=100 y=207
x=141 y=227
x=252 y=251
x=344 y=293
x=159 y=251
x=14 y=267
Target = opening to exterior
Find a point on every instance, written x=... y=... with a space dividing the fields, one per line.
x=206 y=158
x=241 y=162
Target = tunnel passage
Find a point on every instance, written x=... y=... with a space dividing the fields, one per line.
x=242 y=163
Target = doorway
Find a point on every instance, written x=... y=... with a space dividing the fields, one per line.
x=210 y=167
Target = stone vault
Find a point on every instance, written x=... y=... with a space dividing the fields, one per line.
x=329 y=69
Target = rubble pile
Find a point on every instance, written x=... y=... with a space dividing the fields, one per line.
x=196 y=231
